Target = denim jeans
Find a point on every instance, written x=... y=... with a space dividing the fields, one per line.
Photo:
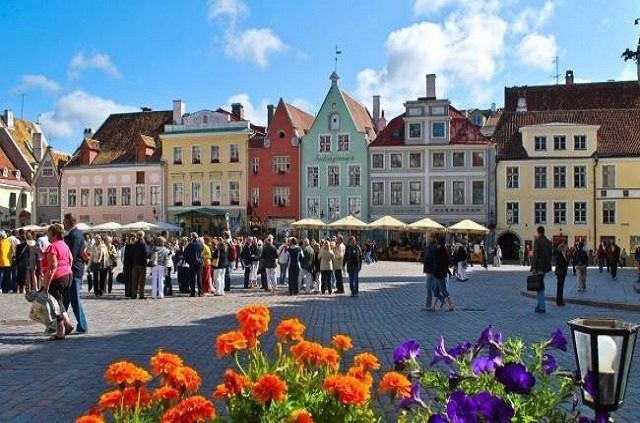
x=72 y=298
x=540 y=296
x=431 y=284
x=282 y=280
x=354 y=281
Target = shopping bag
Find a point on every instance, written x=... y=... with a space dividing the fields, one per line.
x=39 y=313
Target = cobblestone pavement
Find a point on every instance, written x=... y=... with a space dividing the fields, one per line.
x=44 y=381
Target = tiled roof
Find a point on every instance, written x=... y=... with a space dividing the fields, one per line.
x=148 y=141
x=494 y=118
x=392 y=134
x=361 y=116
x=118 y=134
x=59 y=158
x=256 y=140
x=22 y=134
x=595 y=95
x=462 y=130
x=300 y=119
x=618 y=136
x=11 y=178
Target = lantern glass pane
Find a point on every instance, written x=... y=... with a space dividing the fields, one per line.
x=583 y=351
x=627 y=364
x=609 y=349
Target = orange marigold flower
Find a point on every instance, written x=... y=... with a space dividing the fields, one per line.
x=220 y=391
x=269 y=387
x=341 y=342
x=366 y=360
x=290 y=330
x=396 y=384
x=165 y=393
x=254 y=318
x=308 y=353
x=164 y=362
x=301 y=416
x=110 y=400
x=235 y=383
x=361 y=373
x=184 y=377
x=230 y=342
x=126 y=373
x=347 y=389
x=330 y=358
x=192 y=409
x=135 y=397
x=90 y=418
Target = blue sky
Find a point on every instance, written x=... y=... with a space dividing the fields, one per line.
x=77 y=61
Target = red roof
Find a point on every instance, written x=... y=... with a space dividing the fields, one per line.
x=392 y=135
x=300 y=119
x=618 y=136
x=361 y=116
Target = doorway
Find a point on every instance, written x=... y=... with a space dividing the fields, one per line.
x=510 y=245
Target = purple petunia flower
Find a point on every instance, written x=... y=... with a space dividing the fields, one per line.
x=440 y=353
x=494 y=409
x=462 y=408
x=409 y=349
x=484 y=364
x=461 y=349
x=489 y=338
x=437 y=418
x=557 y=341
x=414 y=398
x=589 y=383
x=515 y=377
x=549 y=364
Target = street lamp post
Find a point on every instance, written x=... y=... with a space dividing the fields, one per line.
x=604 y=350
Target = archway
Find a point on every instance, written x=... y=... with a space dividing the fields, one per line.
x=510 y=244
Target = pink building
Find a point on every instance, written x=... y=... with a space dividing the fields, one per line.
x=117 y=174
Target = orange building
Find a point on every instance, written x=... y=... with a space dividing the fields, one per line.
x=274 y=169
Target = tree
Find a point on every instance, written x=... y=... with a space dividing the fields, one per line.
x=629 y=54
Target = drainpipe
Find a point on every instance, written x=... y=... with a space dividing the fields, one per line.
x=595 y=207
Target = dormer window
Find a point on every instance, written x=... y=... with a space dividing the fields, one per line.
x=47 y=171
x=559 y=142
x=18 y=174
x=334 y=122
x=579 y=142
x=5 y=172
x=540 y=143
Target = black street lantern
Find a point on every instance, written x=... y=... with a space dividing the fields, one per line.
x=604 y=351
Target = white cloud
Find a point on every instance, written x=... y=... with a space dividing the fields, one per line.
x=255 y=114
x=101 y=61
x=76 y=110
x=533 y=19
x=303 y=105
x=464 y=52
x=253 y=45
x=428 y=7
x=629 y=72
x=538 y=51
x=27 y=82
x=228 y=8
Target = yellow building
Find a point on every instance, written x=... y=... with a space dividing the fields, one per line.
x=566 y=159
x=205 y=155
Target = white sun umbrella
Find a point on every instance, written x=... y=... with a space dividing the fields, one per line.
x=83 y=226
x=308 y=223
x=166 y=226
x=468 y=226
x=34 y=228
x=140 y=226
x=349 y=223
x=389 y=223
x=425 y=225
x=107 y=227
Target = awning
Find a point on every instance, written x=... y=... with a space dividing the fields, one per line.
x=205 y=211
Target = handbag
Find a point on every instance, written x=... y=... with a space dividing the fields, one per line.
x=535 y=282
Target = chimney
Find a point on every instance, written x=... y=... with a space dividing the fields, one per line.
x=382 y=122
x=8 y=118
x=522 y=104
x=88 y=133
x=146 y=109
x=431 y=86
x=271 y=109
x=38 y=146
x=493 y=108
x=376 y=110
x=568 y=77
x=179 y=109
x=237 y=111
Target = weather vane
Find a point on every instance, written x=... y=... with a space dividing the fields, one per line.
x=335 y=65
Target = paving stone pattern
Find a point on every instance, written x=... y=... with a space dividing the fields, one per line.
x=51 y=381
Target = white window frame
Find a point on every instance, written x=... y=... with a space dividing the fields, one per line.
x=559 y=142
x=255 y=164
x=409 y=130
x=609 y=221
x=333 y=211
x=464 y=192
x=419 y=191
x=535 y=177
x=43 y=196
x=453 y=159
x=54 y=197
x=281 y=163
x=88 y=199
x=114 y=191
x=342 y=143
x=122 y=197
x=579 y=142
x=373 y=155
x=586 y=213
x=196 y=193
x=177 y=155
x=391 y=185
x=316 y=177
x=255 y=196
x=515 y=217
x=583 y=175
x=313 y=211
x=177 y=190
x=557 y=213
x=381 y=201
x=543 y=141
x=321 y=142
x=234 y=153
x=444 y=159
x=140 y=193
x=215 y=192
x=517 y=178
x=352 y=168
x=359 y=205
x=391 y=164
x=281 y=196
x=337 y=182
x=75 y=197
x=444 y=127
x=214 y=152
x=231 y=201
x=195 y=148
x=473 y=155
x=541 y=219
x=154 y=195
x=444 y=192
x=98 y=194
x=557 y=183
x=411 y=166
x=484 y=192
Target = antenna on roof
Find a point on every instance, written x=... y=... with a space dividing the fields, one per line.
x=22 y=105
x=557 y=75
x=335 y=64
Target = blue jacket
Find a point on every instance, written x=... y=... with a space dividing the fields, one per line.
x=75 y=242
x=193 y=254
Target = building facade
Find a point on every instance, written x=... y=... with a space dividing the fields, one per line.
x=48 y=204
x=432 y=161
x=116 y=174
x=274 y=169
x=334 y=162
x=206 y=159
x=566 y=155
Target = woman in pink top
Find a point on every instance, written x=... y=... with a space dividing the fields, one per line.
x=56 y=265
